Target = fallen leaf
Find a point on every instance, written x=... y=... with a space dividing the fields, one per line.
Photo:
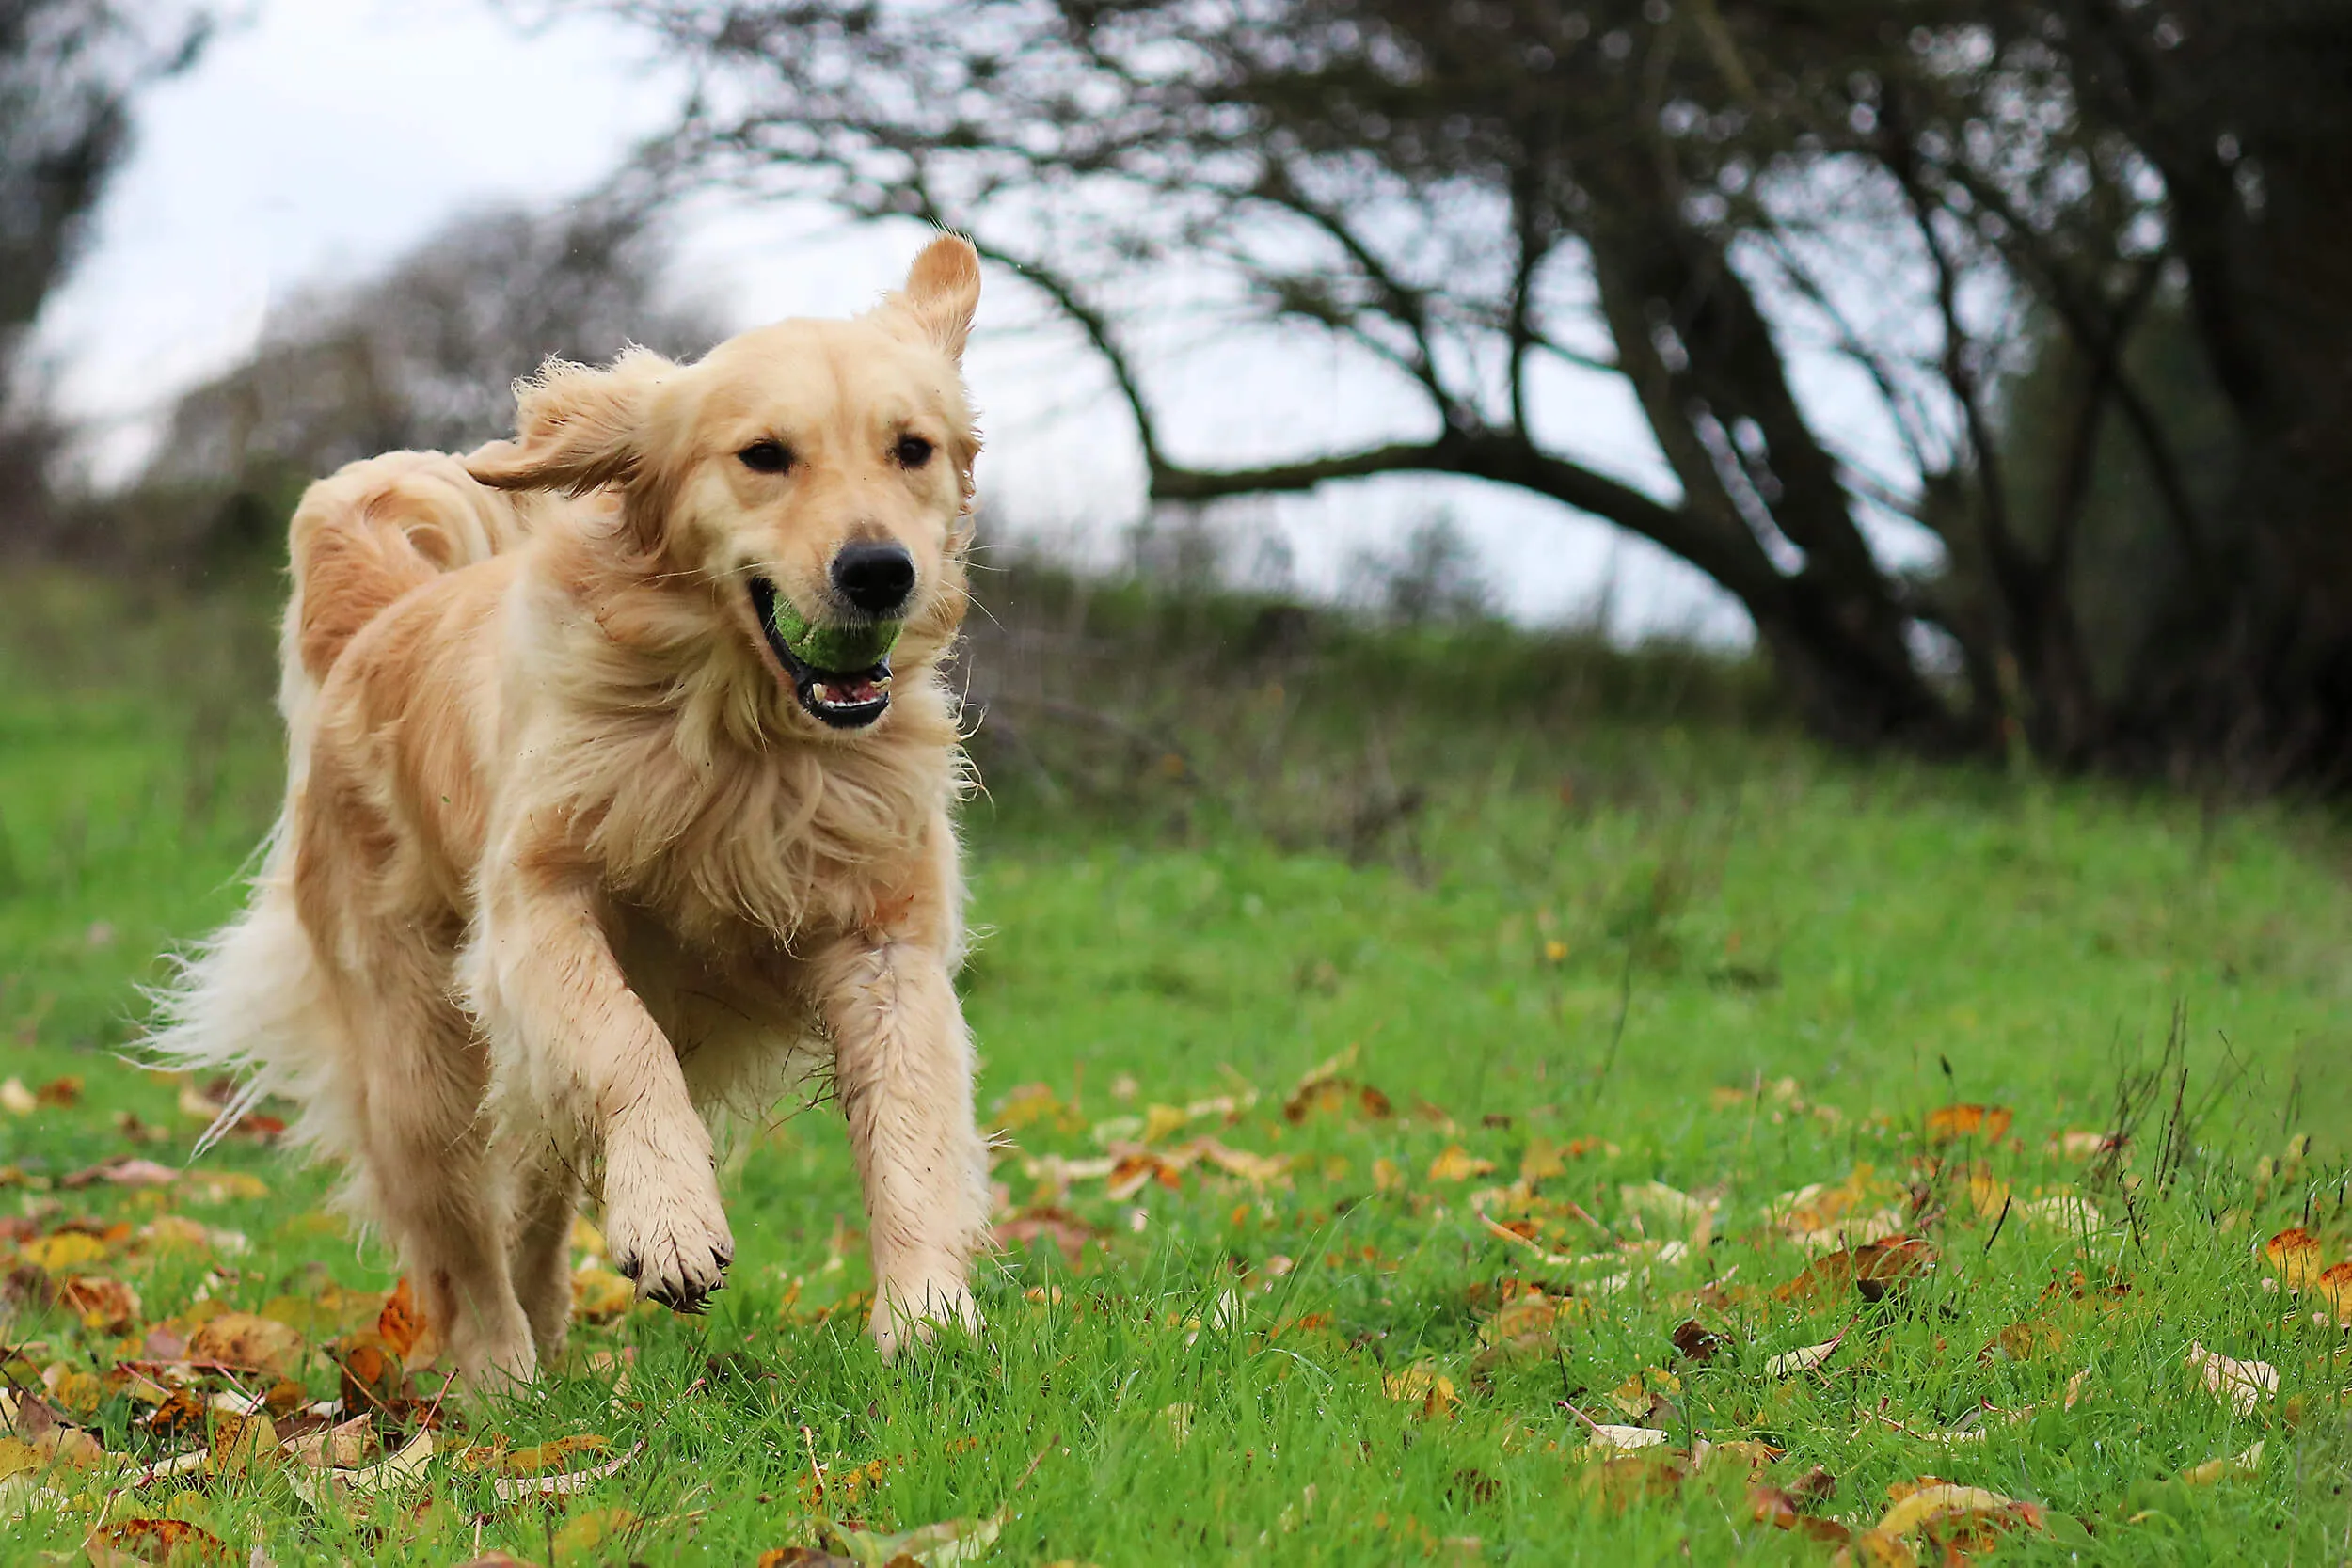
x=341 y=1446
x=1696 y=1342
x=2334 y=1287
x=586 y=1537
x=242 y=1442
x=1942 y=1500
x=159 y=1541
x=946 y=1544
x=400 y=1322
x=60 y=1092
x=1669 y=1210
x=598 y=1294
x=2241 y=1385
x=1422 y=1385
x=2062 y=1212
x=60 y=1253
x=104 y=1305
x=527 y=1484
x=1608 y=1437
x=402 y=1470
x=1948 y=1122
x=1789 y=1363
x=373 y=1378
x=1458 y=1164
x=247 y=1340
x=121 y=1171
x=1338 y=1096
x=2080 y=1144
x=1623 y=1481
x=1872 y=1271
x=2294 y=1256
x=2243 y=1464
x=17 y=1099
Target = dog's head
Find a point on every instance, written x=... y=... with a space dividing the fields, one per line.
x=815 y=476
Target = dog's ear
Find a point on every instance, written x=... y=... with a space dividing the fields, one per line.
x=942 y=295
x=578 y=428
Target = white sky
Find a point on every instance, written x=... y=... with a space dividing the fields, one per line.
x=320 y=138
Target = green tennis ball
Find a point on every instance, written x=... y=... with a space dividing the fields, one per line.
x=837 y=649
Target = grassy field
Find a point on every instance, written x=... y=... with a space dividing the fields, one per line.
x=1658 y=1085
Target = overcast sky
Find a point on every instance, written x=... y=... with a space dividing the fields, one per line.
x=318 y=139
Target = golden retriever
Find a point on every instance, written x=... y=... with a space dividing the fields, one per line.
x=582 y=838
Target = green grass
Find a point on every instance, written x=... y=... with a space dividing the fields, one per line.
x=1611 y=972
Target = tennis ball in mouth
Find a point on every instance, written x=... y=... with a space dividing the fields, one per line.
x=837 y=648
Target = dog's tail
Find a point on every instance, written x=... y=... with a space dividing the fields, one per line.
x=364 y=537
x=250 y=1004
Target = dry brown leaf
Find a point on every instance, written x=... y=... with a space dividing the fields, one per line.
x=104 y=1305
x=1948 y=1122
x=159 y=1541
x=342 y=1446
x=2241 y=1385
x=121 y=1171
x=1872 y=1271
x=399 y=1473
x=373 y=1378
x=247 y=1340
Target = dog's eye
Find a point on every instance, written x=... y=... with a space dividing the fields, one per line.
x=913 y=452
x=766 y=457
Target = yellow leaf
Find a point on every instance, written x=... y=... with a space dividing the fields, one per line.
x=1457 y=1164
x=584 y=1537
x=1943 y=1500
x=1386 y=1175
x=598 y=1293
x=1423 y=1384
x=17 y=1099
x=57 y=1254
x=1160 y=1121
x=1986 y=1191
x=1543 y=1158
x=2246 y=1464
x=2294 y=1256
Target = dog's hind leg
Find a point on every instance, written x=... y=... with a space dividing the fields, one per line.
x=424 y=1161
x=548 y=1198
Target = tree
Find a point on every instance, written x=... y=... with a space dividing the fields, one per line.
x=1468 y=193
x=68 y=71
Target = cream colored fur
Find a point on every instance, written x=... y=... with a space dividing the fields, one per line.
x=564 y=864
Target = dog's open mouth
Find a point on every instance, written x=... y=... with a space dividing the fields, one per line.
x=844 y=698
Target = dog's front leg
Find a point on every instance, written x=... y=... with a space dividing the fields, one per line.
x=903 y=1070
x=575 y=1051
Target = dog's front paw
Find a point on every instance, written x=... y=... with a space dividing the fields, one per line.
x=664 y=1228
x=910 y=1310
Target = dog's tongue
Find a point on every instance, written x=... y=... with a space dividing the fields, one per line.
x=848 y=692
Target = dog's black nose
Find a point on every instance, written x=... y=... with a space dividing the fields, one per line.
x=875 y=578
